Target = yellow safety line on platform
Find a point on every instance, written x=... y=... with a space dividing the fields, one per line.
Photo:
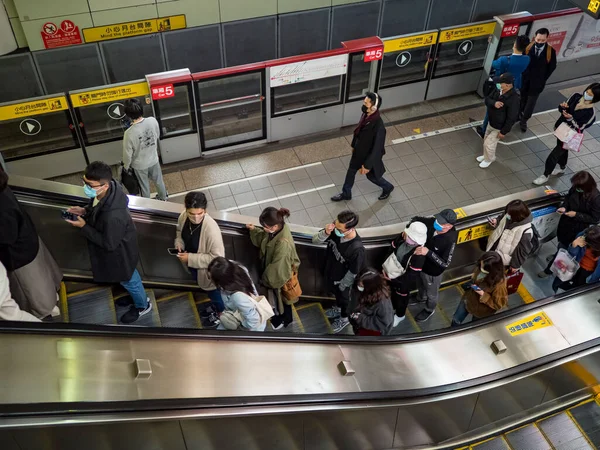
x=64 y=306
x=524 y=293
x=192 y=301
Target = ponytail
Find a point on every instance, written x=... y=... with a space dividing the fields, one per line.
x=272 y=216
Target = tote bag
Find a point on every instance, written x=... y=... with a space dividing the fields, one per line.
x=564 y=132
x=264 y=308
x=564 y=266
x=392 y=267
x=574 y=143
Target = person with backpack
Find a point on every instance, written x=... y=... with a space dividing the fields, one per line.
x=585 y=249
x=374 y=314
x=514 y=237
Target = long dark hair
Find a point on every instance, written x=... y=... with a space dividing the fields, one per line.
x=518 y=211
x=272 y=216
x=376 y=288
x=592 y=239
x=584 y=181
x=230 y=276
x=492 y=262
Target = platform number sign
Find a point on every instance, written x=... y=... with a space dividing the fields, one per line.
x=373 y=55
x=160 y=92
x=510 y=30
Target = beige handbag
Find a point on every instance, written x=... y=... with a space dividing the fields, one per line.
x=264 y=308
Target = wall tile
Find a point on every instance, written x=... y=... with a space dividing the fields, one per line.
x=197 y=12
x=40 y=9
x=18 y=31
x=132 y=14
x=32 y=28
x=246 y=9
x=100 y=5
x=11 y=8
x=286 y=6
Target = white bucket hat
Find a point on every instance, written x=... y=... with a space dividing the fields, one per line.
x=417 y=231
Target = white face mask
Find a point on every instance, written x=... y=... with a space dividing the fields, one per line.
x=360 y=288
x=588 y=97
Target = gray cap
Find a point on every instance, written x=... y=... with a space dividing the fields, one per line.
x=446 y=216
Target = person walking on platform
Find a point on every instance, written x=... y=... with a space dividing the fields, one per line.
x=541 y=66
x=111 y=236
x=585 y=249
x=279 y=260
x=373 y=314
x=502 y=102
x=438 y=251
x=9 y=309
x=199 y=240
x=580 y=209
x=487 y=291
x=578 y=113
x=140 y=149
x=33 y=273
x=368 y=148
x=344 y=259
x=514 y=64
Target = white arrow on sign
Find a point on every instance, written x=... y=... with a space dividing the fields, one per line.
x=116 y=111
x=30 y=127
x=465 y=48
x=403 y=59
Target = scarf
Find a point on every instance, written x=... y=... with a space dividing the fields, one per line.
x=365 y=120
x=404 y=249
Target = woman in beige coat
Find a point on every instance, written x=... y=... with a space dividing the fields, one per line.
x=199 y=241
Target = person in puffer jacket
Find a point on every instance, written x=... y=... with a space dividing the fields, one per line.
x=513 y=235
x=374 y=315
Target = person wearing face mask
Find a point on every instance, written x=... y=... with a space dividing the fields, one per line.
x=344 y=259
x=368 y=148
x=514 y=237
x=33 y=273
x=585 y=249
x=279 y=260
x=579 y=113
x=542 y=64
x=487 y=291
x=107 y=226
x=502 y=102
x=374 y=314
x=580 y=209
x=198 y=240
x=438 y=251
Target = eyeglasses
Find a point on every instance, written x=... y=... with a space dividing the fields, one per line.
x=93 y=187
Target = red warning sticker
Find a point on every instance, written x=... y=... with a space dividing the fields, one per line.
x=54 y=36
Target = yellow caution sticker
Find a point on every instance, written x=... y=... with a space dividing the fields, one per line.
x=530 y=323
x=33 y=108
x=471 y=31
x=460 y=213
x=406 y=43
x=109 y=94
x=594 y=6
x=134 y=28
x=474 y=233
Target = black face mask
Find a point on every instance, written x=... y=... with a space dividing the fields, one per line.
x=538 y=45
x=363 y=109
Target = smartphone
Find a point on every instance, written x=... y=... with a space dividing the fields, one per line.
x=489 y=219
x=475 y=287
x=68 y=216
x=173 y=251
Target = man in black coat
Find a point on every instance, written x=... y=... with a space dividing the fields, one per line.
x=542 y=63
x=368 y=148
x=112 y=241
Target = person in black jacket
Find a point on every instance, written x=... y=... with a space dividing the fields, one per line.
x=542 y=64
x=112 y=241
x=438 y=252
x=578 y=112
x=502 y=102
x=32 y=271
x=374 y=314
x=368 y=148
x=343 y=261
x=579 y=210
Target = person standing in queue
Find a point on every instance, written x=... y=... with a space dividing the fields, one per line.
x=580 y=209
x=577 y=112
x=279 y=260
x=438 y=252
x=542 y=63
x=502 y=102
x=9 y=309
x=368 y=148
x=344 y=259
x=585 y=249
x=373 y=314
x=140 y=149
x=199 y=240
x=111 y=236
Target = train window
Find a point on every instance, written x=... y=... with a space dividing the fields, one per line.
x=36 y=135
x=176 y=112
x=231 y=109
x=18 y=67
x=360 y=72
x=405 y=66
x=306 y=95
x=460 y=56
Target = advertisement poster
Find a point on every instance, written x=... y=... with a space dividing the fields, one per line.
x=573 y=36
x=312 y=69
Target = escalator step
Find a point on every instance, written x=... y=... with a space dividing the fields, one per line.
x=93 y=306
x=588 y=418
x=149 y=320
x=313 y=318
x=527 y=438
x=179 y=310
x=498 y=443
x=563 y=434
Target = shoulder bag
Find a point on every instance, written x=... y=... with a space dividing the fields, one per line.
x=264 y=308
x=392 y=267
x=130 y=181
x=291 y=290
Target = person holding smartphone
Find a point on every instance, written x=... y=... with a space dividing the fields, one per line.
x=487 y=292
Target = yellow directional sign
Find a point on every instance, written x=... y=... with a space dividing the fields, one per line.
x=474 y=233
x=471 y=31
x=109 y=94
x=33 y=108
x=530 y=323
x=134 y=28
x=405 y=43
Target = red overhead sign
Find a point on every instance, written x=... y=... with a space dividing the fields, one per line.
x=373 y=55
x=510 y=30
x=160 y=92
x=54 y=36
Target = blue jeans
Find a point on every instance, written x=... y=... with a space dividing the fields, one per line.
x=461 y=314
x=136 y=289
x=214 y=295
x=351 y=175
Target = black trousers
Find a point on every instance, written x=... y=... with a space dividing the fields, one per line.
x=558 y=156
x=351 y=175
x=286 y=316
x=528 y=102
x=342 y=299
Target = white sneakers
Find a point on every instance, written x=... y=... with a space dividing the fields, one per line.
x=558 y=171
x=397 y=320
x=480 y=158
x=540 y=180
x=485 y=164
